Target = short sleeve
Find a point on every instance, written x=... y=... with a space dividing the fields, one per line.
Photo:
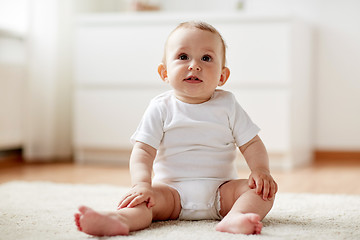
x=242 y=126
x=150 y=129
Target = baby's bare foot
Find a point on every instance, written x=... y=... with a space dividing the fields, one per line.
x=99 y=224
x=248 y=223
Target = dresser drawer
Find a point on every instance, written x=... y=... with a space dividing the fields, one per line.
x=107 y=118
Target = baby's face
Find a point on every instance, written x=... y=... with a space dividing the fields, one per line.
x=194 y=64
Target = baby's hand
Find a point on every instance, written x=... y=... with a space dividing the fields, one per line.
x=139 y=194
x=264 y=184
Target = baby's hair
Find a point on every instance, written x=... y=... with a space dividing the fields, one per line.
x=202 y=26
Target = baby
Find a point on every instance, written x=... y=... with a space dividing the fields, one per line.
x=188 y=137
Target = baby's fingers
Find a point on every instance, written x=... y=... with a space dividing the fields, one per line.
x=122 y=199
x=259 y=186
x=252 y=183
x=266 y=190
x=138 y=200
x=150 y=203
x=126 y=201
x=273 y=190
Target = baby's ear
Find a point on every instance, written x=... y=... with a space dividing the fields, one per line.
x=163 y=72
x=225 y=73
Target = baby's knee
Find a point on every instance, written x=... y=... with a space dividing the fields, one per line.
x=231 y=191
x=167 y=203
x=239 y=187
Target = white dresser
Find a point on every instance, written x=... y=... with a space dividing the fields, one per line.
x=116 y=58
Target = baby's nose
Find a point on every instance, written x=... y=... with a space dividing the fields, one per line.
x=194 y=67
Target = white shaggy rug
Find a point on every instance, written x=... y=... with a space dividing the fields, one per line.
x=43 y=210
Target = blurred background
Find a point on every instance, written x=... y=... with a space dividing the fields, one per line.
x=76 y=75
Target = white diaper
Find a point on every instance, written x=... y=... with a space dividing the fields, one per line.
x=200 y=198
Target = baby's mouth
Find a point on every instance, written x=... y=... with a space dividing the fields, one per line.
x=192 y=79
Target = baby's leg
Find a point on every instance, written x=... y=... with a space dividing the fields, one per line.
x=242 y=207
x=121 y=222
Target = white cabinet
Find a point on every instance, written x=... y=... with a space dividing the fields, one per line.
x=116 y=59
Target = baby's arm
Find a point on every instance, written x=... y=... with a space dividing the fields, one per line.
x=257 y=159
x=141 y=162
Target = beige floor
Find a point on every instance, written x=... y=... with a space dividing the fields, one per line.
x=341 y=177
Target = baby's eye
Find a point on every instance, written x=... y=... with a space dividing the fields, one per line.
x=206 y=58
x=183 y=57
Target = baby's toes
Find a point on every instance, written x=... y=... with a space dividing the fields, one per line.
x=258 y=228
x=77 y=220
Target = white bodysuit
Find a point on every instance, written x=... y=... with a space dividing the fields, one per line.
x=196 y=146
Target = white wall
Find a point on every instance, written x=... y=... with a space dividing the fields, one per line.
x=14 y=15
x=336 y=26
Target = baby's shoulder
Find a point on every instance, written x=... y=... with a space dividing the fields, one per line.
x=223 y=95
x=161 y=101
x=163 y=97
